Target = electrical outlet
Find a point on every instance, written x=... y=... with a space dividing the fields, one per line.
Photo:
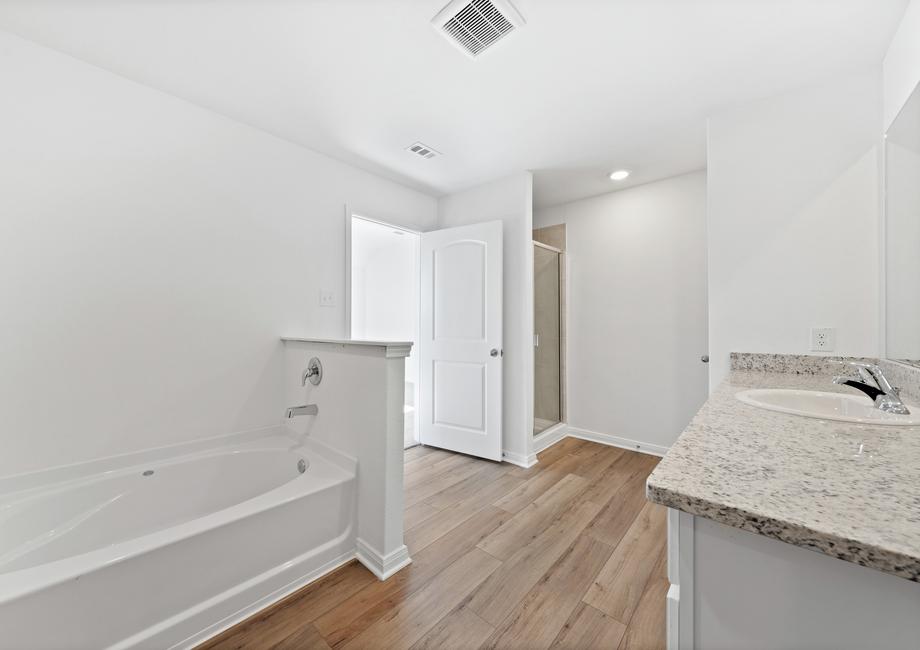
x=823 y=339
x=326 y=298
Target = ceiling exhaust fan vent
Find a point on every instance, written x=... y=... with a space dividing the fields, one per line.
x=423 y=150
x=476 y=25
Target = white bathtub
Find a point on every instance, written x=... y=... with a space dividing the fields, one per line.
x=166 y=548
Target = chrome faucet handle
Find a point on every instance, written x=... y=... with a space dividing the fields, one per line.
x=867 y=374
x=314 y=372
x=867 y=387
x=862 y=368
x=886 y=397
x=871 y=373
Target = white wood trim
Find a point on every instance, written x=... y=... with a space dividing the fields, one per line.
x=348 y=245
x=562 y=431
x=547 y=246
x=673 y=617
x=549 y=437
x=389 y=348
x=396 y=351
x=673 y=545
x=382 y=566
x=686 y=533
x=519 y=459
x=388 y=224
x=673 y=597
x=618 y=441
x=883 y=251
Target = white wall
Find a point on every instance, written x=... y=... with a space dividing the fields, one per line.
x=360 y=402
x=510 y=200
x=901 y=68
x=902 y=259
x=384 y=283
x=794 y=221
x=151 y=254
x=636 y=263
x=385 y=296
x=901 y=76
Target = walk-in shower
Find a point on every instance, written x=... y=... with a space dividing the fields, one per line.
x=549 y=335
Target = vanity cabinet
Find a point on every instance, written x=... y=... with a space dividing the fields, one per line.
x=735 y=589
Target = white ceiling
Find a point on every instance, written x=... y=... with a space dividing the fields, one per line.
x=585 y=87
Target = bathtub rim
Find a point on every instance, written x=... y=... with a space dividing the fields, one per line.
x=43 y=477
x=130 y=470
x=324 y=475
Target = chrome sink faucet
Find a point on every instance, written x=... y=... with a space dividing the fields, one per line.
x=874 y=384
x=307 y=409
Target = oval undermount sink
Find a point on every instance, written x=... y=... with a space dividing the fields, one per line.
x=825 y=406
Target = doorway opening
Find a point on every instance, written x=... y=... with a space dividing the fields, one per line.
x=441 y=290
x=384 y=297
x=549 y=328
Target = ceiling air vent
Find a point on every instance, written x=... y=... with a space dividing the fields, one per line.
x=422 y=150
x=476 y=25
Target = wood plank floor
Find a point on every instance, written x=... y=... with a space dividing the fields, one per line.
x=566 y=554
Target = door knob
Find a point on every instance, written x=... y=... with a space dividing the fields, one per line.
x=493 y=352
x=705 y=358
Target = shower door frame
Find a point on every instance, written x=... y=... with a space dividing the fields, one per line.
x=563 y=340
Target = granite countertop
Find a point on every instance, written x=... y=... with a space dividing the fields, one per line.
x=850 y=491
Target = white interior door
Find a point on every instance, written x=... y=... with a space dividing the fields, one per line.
x=460 y=342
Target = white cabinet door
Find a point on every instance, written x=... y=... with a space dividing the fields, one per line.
x=460 y=341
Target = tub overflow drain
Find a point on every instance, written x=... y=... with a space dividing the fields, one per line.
x=149 y=472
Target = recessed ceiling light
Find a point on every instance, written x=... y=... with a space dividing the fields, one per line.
x=619 y=175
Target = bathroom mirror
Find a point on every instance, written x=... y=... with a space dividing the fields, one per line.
x=902 y=234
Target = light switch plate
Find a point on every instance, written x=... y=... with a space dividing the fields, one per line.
x=823 y=339
x=326 y=298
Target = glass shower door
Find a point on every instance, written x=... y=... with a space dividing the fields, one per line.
x=547 y=385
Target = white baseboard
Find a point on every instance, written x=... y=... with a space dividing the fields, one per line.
x=550 y=437
x=617 y=441
x=554 y=434
x=519 y=459
x=382 y=566
x=560 y=432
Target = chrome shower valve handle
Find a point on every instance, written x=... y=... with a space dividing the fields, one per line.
x=314 y=372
